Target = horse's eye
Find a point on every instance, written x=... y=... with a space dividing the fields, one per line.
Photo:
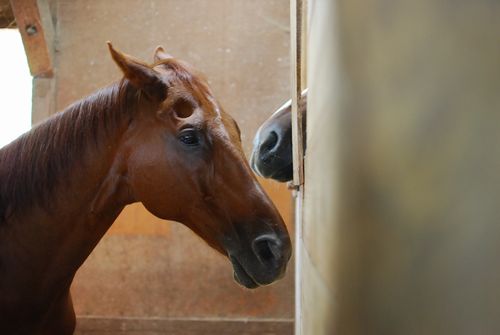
x=189 y=137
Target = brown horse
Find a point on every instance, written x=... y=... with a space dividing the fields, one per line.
x=158 y=137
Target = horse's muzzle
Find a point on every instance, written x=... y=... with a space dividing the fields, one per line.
x=265 y=263
x=272 y=154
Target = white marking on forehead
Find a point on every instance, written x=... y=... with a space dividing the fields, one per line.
x=288 y=103
x=284 y=106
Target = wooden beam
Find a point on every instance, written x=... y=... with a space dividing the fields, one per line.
x=6 y=16
x=296 y=60
x=35 y=25
x=296 y=24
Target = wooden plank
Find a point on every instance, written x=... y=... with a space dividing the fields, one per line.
x=35 y=25
x=6 y=16
x=296 y=24
x=296 y=60
x=322 y=214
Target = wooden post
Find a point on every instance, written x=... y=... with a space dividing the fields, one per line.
x=35 y=25
x=296 y=61
x=296 y=24
x=6 y=16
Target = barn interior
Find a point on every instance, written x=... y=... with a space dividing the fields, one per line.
x=394 y=204
x=148 y=275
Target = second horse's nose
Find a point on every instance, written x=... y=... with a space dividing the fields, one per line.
x=269 y=145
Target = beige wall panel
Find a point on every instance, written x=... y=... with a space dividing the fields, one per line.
x=241 y=47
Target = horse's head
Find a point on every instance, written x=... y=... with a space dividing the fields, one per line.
x=272 y=145
x=184 y=162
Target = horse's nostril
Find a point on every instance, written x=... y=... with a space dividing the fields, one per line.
x=267 y=249
x=270 y=142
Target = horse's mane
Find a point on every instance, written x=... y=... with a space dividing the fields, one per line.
x=33 y=165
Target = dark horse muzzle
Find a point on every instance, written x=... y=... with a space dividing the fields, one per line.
x=261 y=260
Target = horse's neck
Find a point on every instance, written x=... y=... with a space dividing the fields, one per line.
x=55 y=239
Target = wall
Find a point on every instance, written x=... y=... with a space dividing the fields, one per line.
x=401 y=232
x=146 y=275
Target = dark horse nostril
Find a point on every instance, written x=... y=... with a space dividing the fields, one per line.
x=269 y=143
x=267 y=248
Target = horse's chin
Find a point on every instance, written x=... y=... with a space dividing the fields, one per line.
x=283 y=174
x=241 y=276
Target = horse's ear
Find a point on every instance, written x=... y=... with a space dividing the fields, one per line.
x=140 y=74
x=161 y=54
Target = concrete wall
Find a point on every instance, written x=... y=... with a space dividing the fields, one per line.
x=401 y=231
x=149 y=276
